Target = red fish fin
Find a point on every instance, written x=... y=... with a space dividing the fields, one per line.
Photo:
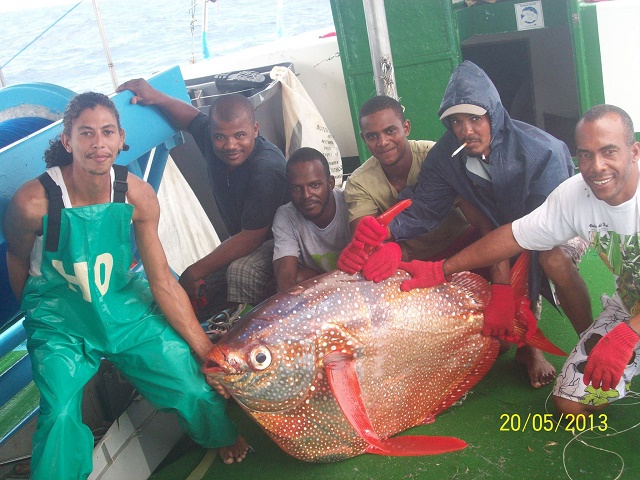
x=430 y=419
x=483 y=366
x=520 y=283
x=520 y=275
x=412 y=445
x=475 y=284
x=539 y=341
x=385 y=218
x=343 y=380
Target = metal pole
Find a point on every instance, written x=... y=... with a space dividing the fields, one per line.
x=376 y=20
x=105 y=45
x=2 y=81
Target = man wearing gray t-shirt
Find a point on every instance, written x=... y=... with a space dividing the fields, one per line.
x=309 y=232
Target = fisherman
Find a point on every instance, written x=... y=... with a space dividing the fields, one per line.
x=247 y=175
x=311 y=230
x=503 y=169
x=68 y=257
x=395 y=163
x=602 y=206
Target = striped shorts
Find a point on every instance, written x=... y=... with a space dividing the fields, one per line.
x=248 y=279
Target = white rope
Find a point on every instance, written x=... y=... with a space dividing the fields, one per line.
x=578 y=437
x=204 y=465
x=387 y=77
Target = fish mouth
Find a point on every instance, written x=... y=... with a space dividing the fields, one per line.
x=212 y=368
x=217 y=364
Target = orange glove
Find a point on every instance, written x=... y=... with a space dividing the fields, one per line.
x=610 y=356
x=425 y=274
x=383 y=263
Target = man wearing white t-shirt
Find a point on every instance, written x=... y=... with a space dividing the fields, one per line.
x=602 y=206
x=309 y=232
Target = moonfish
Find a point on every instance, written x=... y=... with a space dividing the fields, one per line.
x=337 y=365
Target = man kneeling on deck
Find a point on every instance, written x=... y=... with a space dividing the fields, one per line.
x=311 y=230
x=499 y=169
x=394 y=165
x=68 y=256
x=602 y=205
x=247 y=175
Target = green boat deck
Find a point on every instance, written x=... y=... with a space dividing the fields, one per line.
x=491 y=420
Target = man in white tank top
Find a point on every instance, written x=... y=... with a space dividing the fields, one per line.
x=68 y=256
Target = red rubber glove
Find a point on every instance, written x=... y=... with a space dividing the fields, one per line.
x=370 y=232
x=353 y=257
x=425 y=274
x=609 y=357
x=499 y=312
x=383 y=263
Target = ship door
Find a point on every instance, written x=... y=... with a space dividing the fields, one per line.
x=530 y=59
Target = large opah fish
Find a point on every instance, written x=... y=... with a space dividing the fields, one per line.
x=337 y=365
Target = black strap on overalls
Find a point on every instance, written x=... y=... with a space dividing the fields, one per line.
x=54 y=194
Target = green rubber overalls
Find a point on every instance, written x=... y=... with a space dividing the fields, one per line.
x=86 y=305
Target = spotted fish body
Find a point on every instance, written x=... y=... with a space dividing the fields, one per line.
x=414 y=354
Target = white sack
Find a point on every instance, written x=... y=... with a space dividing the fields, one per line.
x=185 y=230
x=303 y=124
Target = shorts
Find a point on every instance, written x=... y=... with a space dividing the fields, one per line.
x=569 y=383
x=575 y=248
x=248 y=279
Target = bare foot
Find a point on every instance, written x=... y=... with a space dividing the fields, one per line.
x=540 y=371
x=235 y=452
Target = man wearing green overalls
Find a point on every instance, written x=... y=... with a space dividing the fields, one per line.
x=68 y=254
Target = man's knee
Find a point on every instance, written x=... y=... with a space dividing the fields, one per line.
x=567 y=407
x=556 y=262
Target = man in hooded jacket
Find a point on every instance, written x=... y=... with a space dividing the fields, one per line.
x=503 y=169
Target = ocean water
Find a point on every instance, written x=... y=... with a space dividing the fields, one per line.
x=144 y=36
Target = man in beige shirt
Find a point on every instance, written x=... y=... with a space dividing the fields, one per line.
x=395 y=163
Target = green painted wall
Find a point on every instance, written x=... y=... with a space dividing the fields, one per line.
x=425 y=39
x=425 y=51
x=500 y=17
x=586 y=46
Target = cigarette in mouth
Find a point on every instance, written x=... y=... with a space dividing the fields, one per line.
x=458 y=149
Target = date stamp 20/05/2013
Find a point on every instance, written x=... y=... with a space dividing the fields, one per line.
x=545 y=422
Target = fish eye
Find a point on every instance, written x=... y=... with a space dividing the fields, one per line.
x=260 y=358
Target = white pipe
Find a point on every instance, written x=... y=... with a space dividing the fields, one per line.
x=205 y=16
x=205 y=30
x=2 y=81
x=105 y=45
x=376 y=20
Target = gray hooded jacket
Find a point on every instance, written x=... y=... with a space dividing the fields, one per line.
x=526 y=164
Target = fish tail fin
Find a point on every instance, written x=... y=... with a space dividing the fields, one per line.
x=538 y=340
x=413 y=445
x=520 y=284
